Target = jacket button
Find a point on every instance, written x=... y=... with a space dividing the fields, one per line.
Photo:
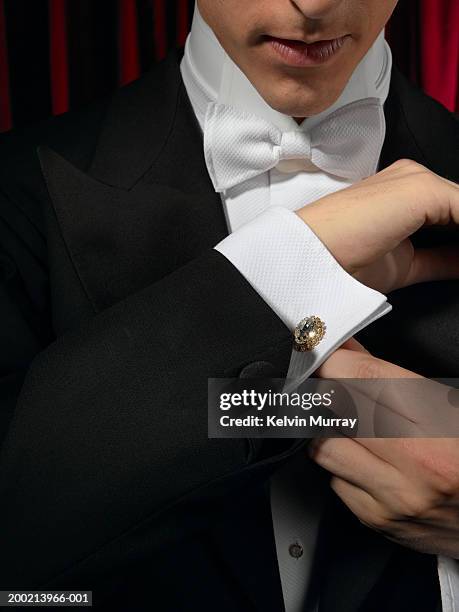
x=259 y=369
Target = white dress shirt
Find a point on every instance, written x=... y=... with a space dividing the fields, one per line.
x=291 y=269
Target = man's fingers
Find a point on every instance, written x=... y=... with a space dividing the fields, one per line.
x=388 y=400
x=363 y=505
x=349 y=460
x=441 y=263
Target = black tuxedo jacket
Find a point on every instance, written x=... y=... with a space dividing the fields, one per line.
x=114 y=311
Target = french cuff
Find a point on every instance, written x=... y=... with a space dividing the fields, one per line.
x=296 y=275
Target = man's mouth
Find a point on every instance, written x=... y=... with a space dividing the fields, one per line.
x=299 y=53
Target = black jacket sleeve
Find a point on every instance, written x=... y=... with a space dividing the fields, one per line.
x=106 y=426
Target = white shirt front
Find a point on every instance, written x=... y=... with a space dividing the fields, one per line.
x=287 y=264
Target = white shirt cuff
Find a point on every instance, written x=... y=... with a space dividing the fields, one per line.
x=296 y=275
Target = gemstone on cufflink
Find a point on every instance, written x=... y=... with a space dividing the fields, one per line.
x=308 y=333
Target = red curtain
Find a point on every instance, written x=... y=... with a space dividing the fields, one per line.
x=58 y=56
x=159 y=28
x=88 y=43
x=424 y=36
x=439 y=51
x=182 y=22
x=129 y=59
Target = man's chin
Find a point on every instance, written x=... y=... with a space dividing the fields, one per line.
x=301 y=108
x=302 y=103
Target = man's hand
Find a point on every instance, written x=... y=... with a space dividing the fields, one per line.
x=406 y=489
x=367 y=226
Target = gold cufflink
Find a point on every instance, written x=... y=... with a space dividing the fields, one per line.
x=308 y=333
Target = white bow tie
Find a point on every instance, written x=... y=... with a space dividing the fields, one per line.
x=239 y=146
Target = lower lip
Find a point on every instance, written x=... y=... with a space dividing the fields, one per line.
x=297 y=53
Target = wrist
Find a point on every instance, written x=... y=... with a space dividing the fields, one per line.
x=331 y=238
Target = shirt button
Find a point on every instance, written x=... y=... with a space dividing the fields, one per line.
x=295 y=551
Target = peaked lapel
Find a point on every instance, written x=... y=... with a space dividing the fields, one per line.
x=145 y=207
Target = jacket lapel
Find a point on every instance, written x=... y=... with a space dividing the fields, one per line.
x=145 y=208
x=419 y=128
x=399 y=142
